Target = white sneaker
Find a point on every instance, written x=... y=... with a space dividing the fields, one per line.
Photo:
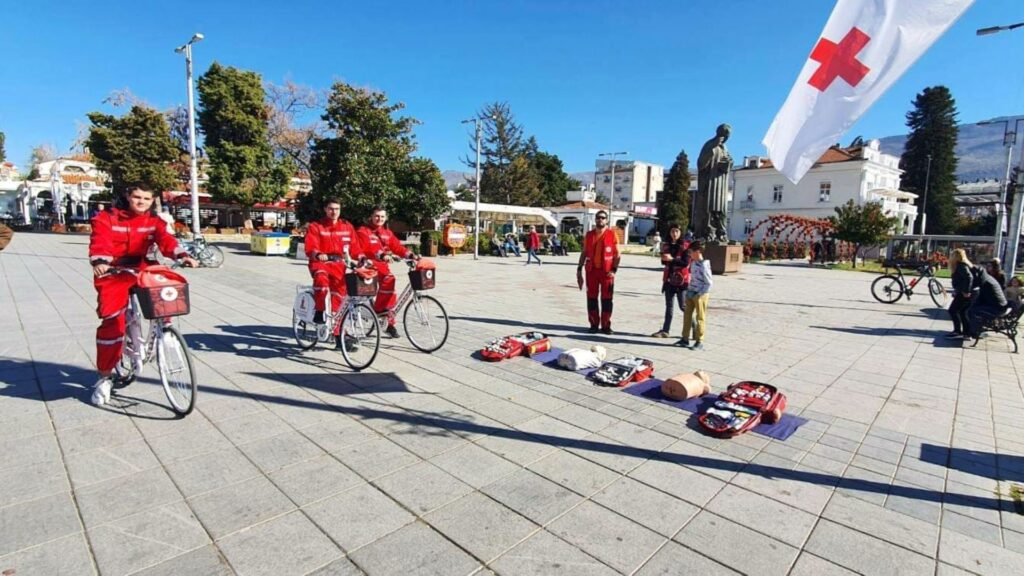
x=101 y=391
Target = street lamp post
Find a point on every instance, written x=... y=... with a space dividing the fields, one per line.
x=611 y=199
x=1013 y=237
x=476 y=208
x=193 y=168
x=924 y=202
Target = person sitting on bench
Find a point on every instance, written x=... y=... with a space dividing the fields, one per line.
x=990 y=302
x=496 y=248
x=556 y=246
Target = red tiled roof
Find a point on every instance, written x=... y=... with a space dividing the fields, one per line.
x=79 y=178
x=832 y=155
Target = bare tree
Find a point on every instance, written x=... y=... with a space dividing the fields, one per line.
x=294 y=112
x=124 y=98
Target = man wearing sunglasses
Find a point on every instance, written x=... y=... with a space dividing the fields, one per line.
x=600 y=256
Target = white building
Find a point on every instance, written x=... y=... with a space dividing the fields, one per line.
x=859 y=173
x=635 y=181
x=59 y=180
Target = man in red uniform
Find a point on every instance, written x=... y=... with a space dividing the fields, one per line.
x=327 y=237
x=601 y=257
x=121 y=238
x=380 y=244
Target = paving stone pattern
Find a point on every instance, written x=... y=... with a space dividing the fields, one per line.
x=443 y=464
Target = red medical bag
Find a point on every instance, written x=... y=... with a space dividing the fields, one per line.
x=743 y=406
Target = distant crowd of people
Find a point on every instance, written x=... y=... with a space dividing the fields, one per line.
x=507 y=245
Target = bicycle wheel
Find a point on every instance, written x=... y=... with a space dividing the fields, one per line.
x=176 y=373
x=360 y=336
x=305 y=334
x=211 y=256
x=426 y=323
x=887 y=289
x=938 y=292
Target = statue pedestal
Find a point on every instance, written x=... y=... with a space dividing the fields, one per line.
x=725 y=258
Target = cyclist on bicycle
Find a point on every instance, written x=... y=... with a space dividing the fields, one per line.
x=382 y=244
x=330 y=242
x=121 y=237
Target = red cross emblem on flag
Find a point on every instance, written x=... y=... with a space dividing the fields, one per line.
x=839 y=60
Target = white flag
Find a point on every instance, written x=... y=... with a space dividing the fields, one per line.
x=865 y=47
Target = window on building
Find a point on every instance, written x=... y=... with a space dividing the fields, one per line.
x=750 y=193
x=824 y=192
x=777 y=193
x=748 y=226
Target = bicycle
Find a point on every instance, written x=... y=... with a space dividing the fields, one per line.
x=357 y=323
x=163 y=342
x=208 y=255
x=427 y=313
x=889 y=288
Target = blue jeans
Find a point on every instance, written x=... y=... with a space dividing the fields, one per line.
x=531 y=253
x=673 y=298
x=509 y=247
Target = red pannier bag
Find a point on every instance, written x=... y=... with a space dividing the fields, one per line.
x=623 y=371
x=743 y=406
x=361 y=282
x=527 y=343
x=423 y=276
x=162 y=293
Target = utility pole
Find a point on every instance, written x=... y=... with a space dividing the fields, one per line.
x=476 y=209
x=193 y=168
x=924 y=204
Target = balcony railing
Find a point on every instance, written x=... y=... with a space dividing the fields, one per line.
x=747 y=205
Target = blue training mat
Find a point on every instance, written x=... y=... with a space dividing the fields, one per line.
x=545 y=357
x=651 y=390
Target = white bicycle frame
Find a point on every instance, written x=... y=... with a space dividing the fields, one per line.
x=325 y=331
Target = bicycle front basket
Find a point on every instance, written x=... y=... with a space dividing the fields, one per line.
x=423 y=276
x=362 y=282
x=162 y=293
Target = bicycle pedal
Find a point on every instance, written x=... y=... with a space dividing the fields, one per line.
x=323 y=332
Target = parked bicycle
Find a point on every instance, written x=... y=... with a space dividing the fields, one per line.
x=889 y=288
x=358 y=329
x=208 y=255
x=160 y=295
x=424 y=319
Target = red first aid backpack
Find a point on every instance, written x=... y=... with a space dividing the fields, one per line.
x=527 y=343
x=743 y=406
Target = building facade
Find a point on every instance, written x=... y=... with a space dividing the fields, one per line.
x=65 y=187
x=859 y=173
x=635 y=181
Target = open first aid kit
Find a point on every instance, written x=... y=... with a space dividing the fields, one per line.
x=526 y=344
x=623 y=371
x=741 y=407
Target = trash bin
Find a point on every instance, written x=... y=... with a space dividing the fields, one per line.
x=269 y=243
x=428 y=245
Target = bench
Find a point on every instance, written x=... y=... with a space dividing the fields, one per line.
x=1006 y=325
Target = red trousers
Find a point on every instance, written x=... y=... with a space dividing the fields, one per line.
x=112 y=295
x=601 y=285
x=328 y=277
x=385 y=291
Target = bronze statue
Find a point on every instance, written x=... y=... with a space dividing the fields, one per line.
x=709 y=205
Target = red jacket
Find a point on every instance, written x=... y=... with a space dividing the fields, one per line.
x=322 y=237
x=377 y=241
x=121 y=238
x=601 y=253
x=534 y=241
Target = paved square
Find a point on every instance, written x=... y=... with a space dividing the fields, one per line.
x=443 y=464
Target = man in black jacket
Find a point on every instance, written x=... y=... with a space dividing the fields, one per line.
x=990 y=302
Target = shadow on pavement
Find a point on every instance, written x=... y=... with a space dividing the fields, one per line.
x=938 y=340
x=1000 y=467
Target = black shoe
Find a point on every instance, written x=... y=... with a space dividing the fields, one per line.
x=594 y=330
x=392 y=332
x=318 y=318
x=954 y=336
x=607 y=330
x=682 y=342
x=697 y=346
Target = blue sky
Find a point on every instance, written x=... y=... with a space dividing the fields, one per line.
x=647 y=77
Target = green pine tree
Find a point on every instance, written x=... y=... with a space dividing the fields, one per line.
x=366 y=160
x=233 y=118
x=674 y=200
x=553 y=181
x=135 y=149
x=933 y=134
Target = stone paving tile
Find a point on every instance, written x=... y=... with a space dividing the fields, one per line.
x=206 y=561
x=423 y=487
x=544 y=553
x=37 y=521
x=672 y=558
x=575 y=473
x=358 y=516
x=424 y=551
x=141 y=540
x=315 y=479
x=533 y=496
x=290 y=544
x=977 y=556
x=107 y=501
x=899 y=529
x=480 y=525
x=237 y=506
x=607 y=536
x=68 y=556
x=865 y=554
x=716 y=537
x=737 y=503
x=653 y=509
x=810 y=565
x=211 y=470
